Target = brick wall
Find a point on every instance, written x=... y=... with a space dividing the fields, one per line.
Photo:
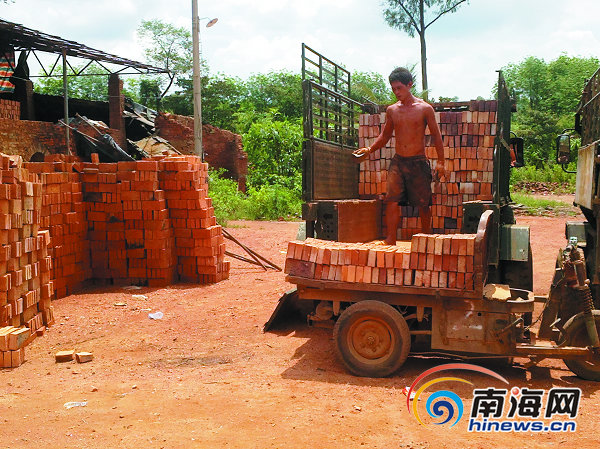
x=222 y=148
x=10 y=109
x=25 y=138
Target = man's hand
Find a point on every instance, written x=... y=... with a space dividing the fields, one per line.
x=441 y=170
x=361 y=151
x=361 y=154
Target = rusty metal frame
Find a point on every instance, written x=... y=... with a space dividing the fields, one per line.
x=26 y=39
x=501 y=175
x=324 y=71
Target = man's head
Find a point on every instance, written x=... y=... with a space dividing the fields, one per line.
x=401 y=74
x=401 y=81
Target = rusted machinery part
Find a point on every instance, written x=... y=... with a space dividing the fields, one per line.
x=576 y=334
x=289 y=310
x=372 y=339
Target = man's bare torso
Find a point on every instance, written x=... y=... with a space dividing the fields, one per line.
x=409 y=122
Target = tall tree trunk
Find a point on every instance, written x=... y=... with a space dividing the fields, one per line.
x=423 y=52
x=424 y=67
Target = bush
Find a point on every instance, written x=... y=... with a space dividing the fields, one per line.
x=274 y=151
x=273 y=202
x=268 y=202
x=227 y=200
x=547 y=174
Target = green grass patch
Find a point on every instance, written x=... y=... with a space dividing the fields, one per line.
x=554 y=178
x=541 y=206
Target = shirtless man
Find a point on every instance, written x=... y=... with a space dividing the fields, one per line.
x=409 y=174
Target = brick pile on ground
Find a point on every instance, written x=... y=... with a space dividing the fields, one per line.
x=148 y=231
x=25 y=285
x=468 y=138
x=63 y=222
x=106 y=227
x=128 y=224
x=151 y=222
x=199 y=242
x=428 y=260
x=63 y=213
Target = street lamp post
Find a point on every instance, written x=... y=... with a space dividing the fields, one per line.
x=198 y=149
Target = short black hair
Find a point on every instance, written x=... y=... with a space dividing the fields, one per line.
x=401 y=74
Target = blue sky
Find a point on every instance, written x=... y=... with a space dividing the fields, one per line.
x=254 y=36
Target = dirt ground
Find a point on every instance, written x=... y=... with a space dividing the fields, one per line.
x=207 y=376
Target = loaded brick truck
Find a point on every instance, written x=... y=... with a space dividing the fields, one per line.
x=466 y=289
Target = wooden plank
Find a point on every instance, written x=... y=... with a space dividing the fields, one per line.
x=411 y=290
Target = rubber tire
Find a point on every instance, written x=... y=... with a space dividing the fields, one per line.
x=576 y=335
x=379 y=320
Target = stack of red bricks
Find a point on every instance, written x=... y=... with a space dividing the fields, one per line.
x=148 y=233
x=63 y=213
x=10 y=109
x=25 y=285
x=128 y=224
x=468 y=138
x=106 y=227
x=199 y=242
x=436 y=260
x=146 y=222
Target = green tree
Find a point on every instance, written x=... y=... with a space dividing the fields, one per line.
x=87 y=87
x=274 y=149
x=568 y=76
x=222 y=97
x=415 y=16
x=529 y=82
x=547 y=94
x=167 y=47
x=280 y=90
x=371 y=86
x=149 y=92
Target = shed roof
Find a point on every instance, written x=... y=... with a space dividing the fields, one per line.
x=27 y=39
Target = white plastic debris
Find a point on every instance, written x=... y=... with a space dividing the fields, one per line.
x=412 y=393
x=156 y=316
x=69 y=405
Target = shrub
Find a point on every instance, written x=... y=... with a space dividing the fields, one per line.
x=227 y=200
x=272 y=202
x=267 y=202
x=548 y=174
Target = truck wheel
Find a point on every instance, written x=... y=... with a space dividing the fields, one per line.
x=372 y=339
x=576 y=335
